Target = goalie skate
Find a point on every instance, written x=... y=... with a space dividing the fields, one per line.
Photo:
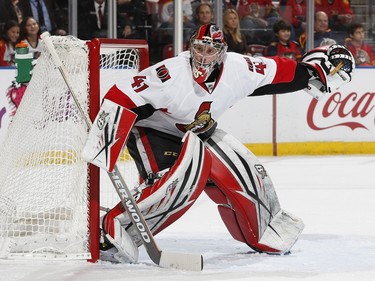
x=120 y=248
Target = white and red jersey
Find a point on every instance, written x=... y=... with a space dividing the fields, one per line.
x=167 y=98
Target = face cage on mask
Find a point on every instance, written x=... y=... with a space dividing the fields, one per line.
x=200 y=68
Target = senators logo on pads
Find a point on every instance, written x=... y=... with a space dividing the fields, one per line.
x=163 y=73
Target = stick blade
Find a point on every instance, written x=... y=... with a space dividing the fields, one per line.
x=191 y=262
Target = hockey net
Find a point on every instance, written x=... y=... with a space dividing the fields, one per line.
x=49 y=197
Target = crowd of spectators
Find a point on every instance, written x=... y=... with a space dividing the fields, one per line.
x=271 y=27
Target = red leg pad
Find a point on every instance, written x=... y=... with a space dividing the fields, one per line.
x=216 y=194
x=229 y=218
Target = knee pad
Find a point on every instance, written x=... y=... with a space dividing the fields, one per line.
x=174 y=193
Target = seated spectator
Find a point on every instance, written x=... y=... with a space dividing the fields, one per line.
x=231 y=28
x=167 y=19
x=362 y=52
x=196 y=3
x=321 y=30
x=257 y=15
x=136 y=19
x=230 y=4
x=204 y=14
x=92 y=22
x=46 y=12
x=10 y=10
x=132 y=10
x=294 y=12
x=9 y=39
x=261 y=12
x=30 y=33
x=283 y=46
x=129 y=32
x=340 y=13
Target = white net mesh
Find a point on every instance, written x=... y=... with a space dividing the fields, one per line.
x=43 y=181
x=117 y=63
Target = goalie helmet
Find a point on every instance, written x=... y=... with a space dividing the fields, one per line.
x=207 y=50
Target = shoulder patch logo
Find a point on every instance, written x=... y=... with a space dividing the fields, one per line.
x=163 y=73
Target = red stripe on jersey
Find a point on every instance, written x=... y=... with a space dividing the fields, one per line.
x=116 y=95
x=148 y=149
x=285 y=70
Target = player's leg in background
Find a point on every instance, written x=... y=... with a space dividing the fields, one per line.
x=246 y=197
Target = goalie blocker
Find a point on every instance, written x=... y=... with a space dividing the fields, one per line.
x=108 y=134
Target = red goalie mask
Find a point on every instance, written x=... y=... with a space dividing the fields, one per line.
x=207 y=49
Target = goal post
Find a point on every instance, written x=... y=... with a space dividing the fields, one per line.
x=106 y=69
x=49 y=197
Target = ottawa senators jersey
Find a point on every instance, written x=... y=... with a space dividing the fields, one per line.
x=167 y=98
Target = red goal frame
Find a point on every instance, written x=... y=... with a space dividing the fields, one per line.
x=95 y=46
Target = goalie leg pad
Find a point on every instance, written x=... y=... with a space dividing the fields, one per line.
x=175 y=192
x=249 y=192
x=282 y=232
x=108 y=134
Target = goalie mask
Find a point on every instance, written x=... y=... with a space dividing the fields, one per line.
x=207 y=50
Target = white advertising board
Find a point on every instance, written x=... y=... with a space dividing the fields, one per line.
x=345 y=115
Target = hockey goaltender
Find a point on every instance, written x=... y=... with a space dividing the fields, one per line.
x=168 y=114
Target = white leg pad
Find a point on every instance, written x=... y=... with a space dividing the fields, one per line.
x=172 y=195
x=282 y=232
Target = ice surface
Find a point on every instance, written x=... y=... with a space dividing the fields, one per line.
x=334 y=195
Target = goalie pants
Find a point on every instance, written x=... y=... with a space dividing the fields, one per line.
x=236 y=181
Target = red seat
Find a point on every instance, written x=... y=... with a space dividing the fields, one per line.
x=167 y=51
x=256 y=50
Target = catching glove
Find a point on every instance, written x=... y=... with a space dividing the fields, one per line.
x=330 y=67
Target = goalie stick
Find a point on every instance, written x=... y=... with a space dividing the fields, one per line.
x=162 y=258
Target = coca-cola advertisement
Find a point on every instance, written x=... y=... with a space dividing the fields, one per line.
x=345 y=115
x=354 y=110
